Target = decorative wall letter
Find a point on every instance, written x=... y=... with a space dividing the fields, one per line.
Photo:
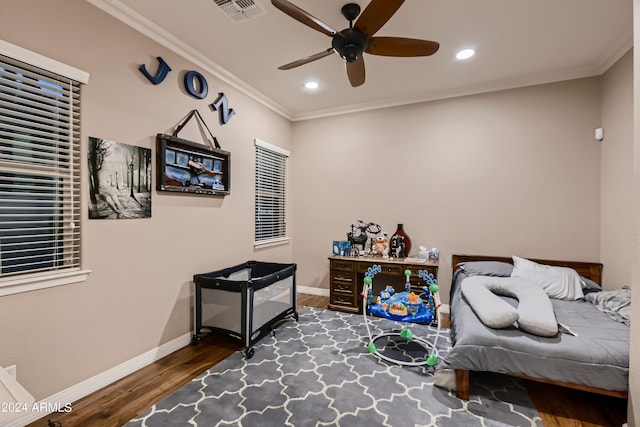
x=195 y=85
x=225 y=113
x=190 y=87
x=161 y=74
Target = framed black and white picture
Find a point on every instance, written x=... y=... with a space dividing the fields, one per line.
x=119 y=180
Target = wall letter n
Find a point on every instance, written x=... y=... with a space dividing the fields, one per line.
x=161 y=74
x=225 y=113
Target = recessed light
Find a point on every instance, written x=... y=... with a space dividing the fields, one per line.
x=465 y=54
x=311 y=85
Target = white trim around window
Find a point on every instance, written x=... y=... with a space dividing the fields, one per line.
x=28 y=283
x=270 y=195
x=41 y=61
x=40 y=165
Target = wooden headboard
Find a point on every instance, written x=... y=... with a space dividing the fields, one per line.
x=590 y=270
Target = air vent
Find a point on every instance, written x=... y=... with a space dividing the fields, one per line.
x=240 y=10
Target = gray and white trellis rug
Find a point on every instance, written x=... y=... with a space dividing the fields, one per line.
x=318 y=372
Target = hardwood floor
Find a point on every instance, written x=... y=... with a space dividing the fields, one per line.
x=117 y=403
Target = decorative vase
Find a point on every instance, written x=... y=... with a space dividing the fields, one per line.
x=400 y=243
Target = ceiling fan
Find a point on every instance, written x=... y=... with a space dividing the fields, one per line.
x=352 y=42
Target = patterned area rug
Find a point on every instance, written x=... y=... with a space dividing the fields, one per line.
x=319 y=372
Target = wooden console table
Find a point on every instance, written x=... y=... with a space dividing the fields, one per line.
x=347 y=273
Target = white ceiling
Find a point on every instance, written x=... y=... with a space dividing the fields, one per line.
x=517 y=43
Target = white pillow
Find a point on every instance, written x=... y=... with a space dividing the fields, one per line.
x=558 y=282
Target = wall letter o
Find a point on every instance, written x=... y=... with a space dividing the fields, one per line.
x=190 y=87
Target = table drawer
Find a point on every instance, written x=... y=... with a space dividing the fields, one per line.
x=342 y=265
x=396 y=269
x=343 y=276
x=417 y=288
x=415 y=270
x=343 y=287
x=344 y=299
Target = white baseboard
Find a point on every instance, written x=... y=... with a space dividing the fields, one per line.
x=323 y=292
x=88 y=386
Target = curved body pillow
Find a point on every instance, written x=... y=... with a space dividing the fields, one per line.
x=534 y=313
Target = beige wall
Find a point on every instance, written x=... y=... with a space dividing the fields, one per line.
x=504 y=173
x=616 y=247
x=139 y=293
x=618 y=250
x=634 y=359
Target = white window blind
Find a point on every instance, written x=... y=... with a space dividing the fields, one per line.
x=271 y=174
x=39 y=170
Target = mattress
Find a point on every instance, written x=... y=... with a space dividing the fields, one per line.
x=597 y=357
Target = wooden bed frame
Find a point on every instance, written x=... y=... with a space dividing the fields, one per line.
x=589 y=270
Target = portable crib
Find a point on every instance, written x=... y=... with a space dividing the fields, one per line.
x=244 y=301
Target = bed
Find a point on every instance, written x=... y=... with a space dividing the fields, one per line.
x=596 y=359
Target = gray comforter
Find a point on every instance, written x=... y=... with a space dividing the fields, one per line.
x=597 y=357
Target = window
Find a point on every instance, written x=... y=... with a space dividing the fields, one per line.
x=39 y=172
x=271 y=174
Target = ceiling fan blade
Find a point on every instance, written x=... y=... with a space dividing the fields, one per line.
x=400 y=46
x=300 y=15
x=355 y=72
x=375 y=15
x=306 y=60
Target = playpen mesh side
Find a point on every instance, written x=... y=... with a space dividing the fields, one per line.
x=272 y=300
x=223 y=309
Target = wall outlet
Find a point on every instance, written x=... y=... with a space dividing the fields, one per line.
x=11 y=370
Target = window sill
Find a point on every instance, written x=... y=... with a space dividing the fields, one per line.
x=18 y=285
x=271 y=242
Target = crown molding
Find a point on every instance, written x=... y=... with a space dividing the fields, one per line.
x=616 y=53
x=141 y=24
x=138 y=22
x=447 y=93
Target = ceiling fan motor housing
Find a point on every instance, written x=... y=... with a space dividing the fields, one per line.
x=350 y=43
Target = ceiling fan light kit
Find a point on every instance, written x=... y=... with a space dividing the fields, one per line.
x=351 y=43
